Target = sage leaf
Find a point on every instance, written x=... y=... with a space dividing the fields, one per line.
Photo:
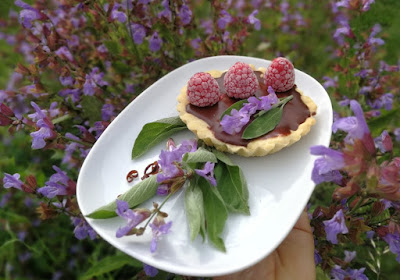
x=233 y=187
x=222 y=157
x=194 y=208
x=108 y=264
x=238 y=105
x=215 y=211
x=200 y=155
x=265 y=122
x=136 y=195
x=154 y=132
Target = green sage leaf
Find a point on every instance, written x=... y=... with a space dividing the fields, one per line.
x=263 y=124
x=200 y=155
x=215 y=212
x=194 y=208
x=91 y=108
x=154 y=132
x=108 y=264
x=266 y=122
x=136 y=195
x=238 y=105
x=233 y=187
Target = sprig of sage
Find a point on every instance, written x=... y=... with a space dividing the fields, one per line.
x=154 y=132
x=136 y=195
x=265 y=121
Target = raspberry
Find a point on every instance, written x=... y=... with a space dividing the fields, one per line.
x=203 y=90
x=240 y=81
x=280 y=75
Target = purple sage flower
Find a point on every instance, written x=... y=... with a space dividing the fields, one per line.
x=349 y=255
x=185 y=14
x=83 y=229
x=396 y=133
x=133 y=218
x=170 y=158
x=138 y=33
x=64 y=53
x=393 y=240
x=384 y=142
x=107 y=112
x=234 y=122
x=335 y=226
x=93 y=80
x=28 y=14
x=207 y=172
x=118 y=15
x=155 y=42
x=166 y=13
x=356 y=127
x=326 y=168
x=12 y=181
x=158 y=229
x=372 y=40
x=57 y=184
x=224 y=19
x=253 y=20
x=149 y=270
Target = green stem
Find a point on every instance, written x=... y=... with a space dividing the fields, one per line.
x=77 y=141
x=281 y=102
x=158 y=209
x=357 y=205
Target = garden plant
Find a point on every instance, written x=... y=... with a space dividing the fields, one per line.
x=68 y=67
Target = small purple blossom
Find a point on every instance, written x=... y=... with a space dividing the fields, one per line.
x=393 y=240
x=107 y=112
x=66 y=80
x=155 y=42
x=253 y=20
x=170 y=158
x=12 y=181
x=208 y=173
x=138 y=33
x=45 y=127
x=355 y=126
x=56 y=185
x=385 y=100
x=158 y=230
x=64 y=53
x=372 y=40
x=349 y=256
x=93 y=80
x=185 y=14
x=133 y=218
x=234 y=122
x=326 y=168
x=341 y=32
x=396 y=133
x=317 y=257
x=337 y=273
x=166 y=13
x=118 y=15
x=83 y=229
x=28 y=14
x=149 y=270
x=384 y=142
x=335 y=226
x=224 y=19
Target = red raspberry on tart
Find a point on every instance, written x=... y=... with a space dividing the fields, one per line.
x=203 y=90
x=280 y=75
x=240 y=81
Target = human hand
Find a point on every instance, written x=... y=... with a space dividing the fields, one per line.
x=293 y=259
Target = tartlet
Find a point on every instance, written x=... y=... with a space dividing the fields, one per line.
x=256 y=147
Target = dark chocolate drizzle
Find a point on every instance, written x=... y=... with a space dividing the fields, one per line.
x=295 y=113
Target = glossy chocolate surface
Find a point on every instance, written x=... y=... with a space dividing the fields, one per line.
x=295 y=113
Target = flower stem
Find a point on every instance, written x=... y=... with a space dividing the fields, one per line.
x=281 y=102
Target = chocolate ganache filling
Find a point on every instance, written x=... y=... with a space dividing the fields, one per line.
x=295 y=113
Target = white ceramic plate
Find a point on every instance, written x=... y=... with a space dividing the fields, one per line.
x=279 y=184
